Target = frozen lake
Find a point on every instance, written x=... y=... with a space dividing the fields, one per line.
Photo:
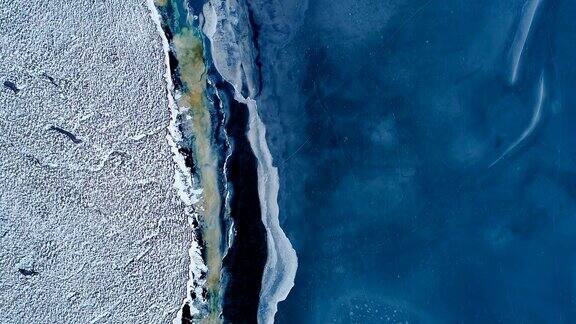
x=426 y=158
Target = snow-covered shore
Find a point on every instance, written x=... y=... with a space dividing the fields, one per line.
x=91 y=229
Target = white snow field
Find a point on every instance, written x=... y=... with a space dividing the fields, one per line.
x=91 y=228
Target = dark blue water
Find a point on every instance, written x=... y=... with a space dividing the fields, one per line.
x=419 y=182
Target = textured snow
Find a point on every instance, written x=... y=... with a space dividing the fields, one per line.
x=90 y=232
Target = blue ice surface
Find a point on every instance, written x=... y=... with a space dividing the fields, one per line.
x=421 y=181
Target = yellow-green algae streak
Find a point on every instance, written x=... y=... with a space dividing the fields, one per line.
x=188 y=47
x=189 y=52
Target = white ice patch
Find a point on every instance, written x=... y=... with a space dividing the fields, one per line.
x=227 y=26
x=140 y=136
x=281 y=263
